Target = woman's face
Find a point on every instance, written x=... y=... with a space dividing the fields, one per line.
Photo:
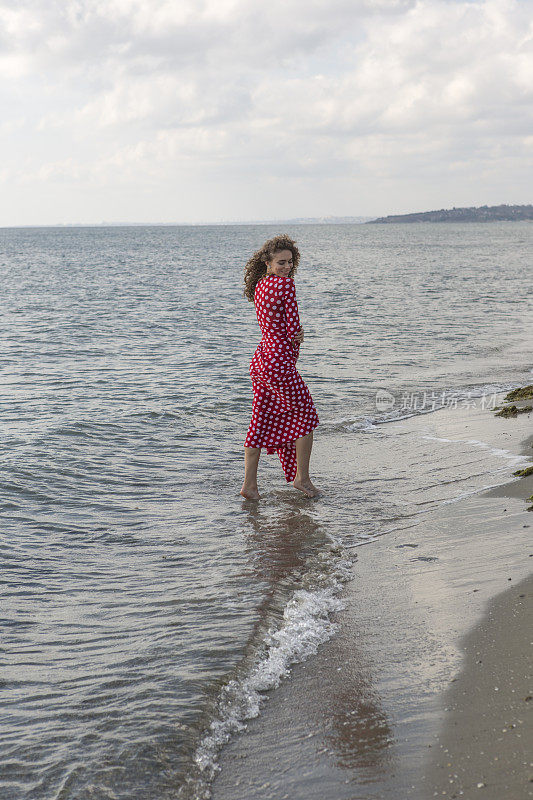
x=281 y=264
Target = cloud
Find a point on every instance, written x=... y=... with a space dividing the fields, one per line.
x=123 y=90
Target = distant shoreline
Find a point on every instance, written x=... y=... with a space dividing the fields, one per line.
x=501 y=213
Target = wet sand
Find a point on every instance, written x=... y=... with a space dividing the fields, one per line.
x=485 y=747
x=396 y=704
x=487 y=742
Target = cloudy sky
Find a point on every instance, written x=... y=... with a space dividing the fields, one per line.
x=217 y=110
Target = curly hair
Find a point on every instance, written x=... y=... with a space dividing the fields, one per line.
x=255 y=268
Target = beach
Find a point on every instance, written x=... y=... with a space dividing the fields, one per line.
x=165 y=638
x=428 y=692
x=486 y=740
x=174 y=626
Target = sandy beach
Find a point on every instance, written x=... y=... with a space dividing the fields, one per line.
x=424 y=690
x=156 y=625
x=486 y=740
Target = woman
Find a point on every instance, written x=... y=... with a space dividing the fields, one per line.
x=283 y=412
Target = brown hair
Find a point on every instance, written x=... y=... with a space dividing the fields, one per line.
x=255 y=268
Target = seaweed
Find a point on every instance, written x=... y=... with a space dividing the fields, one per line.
x=522 y=393
x=512 y=411
x=522 y=473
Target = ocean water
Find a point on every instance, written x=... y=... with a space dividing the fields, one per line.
x=146 y=609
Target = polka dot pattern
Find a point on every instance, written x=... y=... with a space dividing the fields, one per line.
x=282 y=409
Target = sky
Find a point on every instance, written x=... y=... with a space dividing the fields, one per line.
x=194 y=111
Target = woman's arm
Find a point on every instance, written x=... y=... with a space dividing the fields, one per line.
x=292 y=317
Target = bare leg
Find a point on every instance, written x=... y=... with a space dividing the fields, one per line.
x=302 y=480
x=251 y=460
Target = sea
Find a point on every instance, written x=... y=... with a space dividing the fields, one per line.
x=147 y=610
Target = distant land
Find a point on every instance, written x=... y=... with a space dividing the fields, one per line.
x=473 y=214
x=480 y=214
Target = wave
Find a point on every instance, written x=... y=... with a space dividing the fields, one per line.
x=454 y=398
x=306 y=623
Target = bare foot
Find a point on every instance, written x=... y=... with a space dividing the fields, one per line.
x=306 y=487
x=250 y=493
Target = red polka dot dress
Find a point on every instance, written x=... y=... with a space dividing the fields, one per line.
x=283 y=409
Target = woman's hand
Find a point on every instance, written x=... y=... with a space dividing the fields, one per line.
x=298 y=337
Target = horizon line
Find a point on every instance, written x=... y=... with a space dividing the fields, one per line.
x=125 y=224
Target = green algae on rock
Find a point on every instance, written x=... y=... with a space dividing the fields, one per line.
x=523 y=473
x=522 y=393
x=512 y=411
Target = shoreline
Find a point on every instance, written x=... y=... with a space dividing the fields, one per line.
x=366 y=716
x=486 y=739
